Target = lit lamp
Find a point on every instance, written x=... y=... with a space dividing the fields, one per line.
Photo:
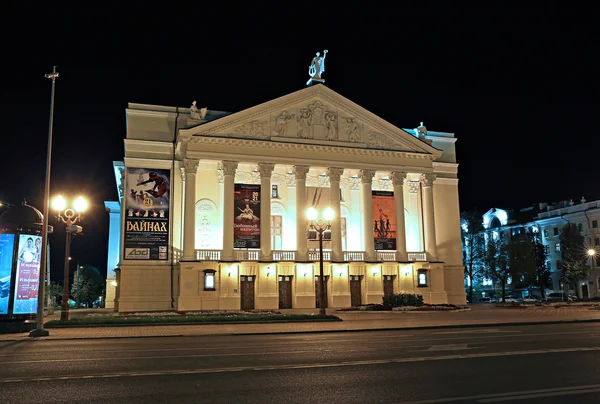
x=70 y=217
x=320 y=222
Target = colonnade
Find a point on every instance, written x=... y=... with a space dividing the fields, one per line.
x=300 y=172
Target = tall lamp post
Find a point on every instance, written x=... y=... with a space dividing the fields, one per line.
x=70 y=217
x=39 y=328
x=320 y=222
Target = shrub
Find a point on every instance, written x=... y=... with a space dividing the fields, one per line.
x=402 y=299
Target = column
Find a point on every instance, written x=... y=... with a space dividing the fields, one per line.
x=334 y=175
x=229 y=168
x=301 y=245
x=265 y=169
x=189 y=218
x=397 y=178
x=428 y=215
x=366 y=178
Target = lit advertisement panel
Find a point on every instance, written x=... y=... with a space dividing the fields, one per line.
x=27 y=275
x=7 y=245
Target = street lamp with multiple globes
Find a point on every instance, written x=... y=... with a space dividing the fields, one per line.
x=320 y=222
x=70 y=217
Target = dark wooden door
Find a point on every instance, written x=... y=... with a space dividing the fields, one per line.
x=247 y=292
x=584 y=292
x=355 y=294
x=285 y=292
x=318 y=290
x=388 y=284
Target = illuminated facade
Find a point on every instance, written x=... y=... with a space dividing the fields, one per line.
x=196 y=185
x=546 y=220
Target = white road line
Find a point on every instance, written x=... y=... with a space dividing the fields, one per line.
x=515 y=395
x=309 y=366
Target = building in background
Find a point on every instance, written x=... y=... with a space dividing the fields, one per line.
x=211 y=210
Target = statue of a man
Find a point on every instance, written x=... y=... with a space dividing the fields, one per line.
x=422 y=131
x=317 y=67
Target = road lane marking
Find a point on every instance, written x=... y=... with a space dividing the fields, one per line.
x=449 y=347
x=303 y=366
x=486 y=331
x=515 y=395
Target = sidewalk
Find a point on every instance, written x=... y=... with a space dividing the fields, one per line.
x=479 y=315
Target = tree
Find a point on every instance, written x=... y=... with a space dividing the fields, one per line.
x=54 y=290
x=573 y=265
x=90 y=284
x=495 y=262
x=473 y=247
x=540 y=256
x=521 y=261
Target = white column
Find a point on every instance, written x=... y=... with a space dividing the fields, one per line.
x=398 y=181
x=428 y=215
x=265 y=169
x=189 y=218
x=366 y=178
x=334 y=175
x=301 y=245
x=229 y=168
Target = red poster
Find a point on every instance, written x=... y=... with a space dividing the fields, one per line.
x=384 y=220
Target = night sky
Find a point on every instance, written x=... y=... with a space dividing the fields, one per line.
x=516 y=82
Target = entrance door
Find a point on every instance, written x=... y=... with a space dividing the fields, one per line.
x=388 y=284
x=247 y=292
x=318 y=290
x=584 y=291
x=355 y=294
x=285 y=292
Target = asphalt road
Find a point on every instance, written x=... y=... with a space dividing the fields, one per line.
x=521 y=364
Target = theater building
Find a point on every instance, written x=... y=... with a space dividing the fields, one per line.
x=212 y=208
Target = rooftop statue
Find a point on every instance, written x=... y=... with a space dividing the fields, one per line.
x=422 y=131
x=197 y=113
x=316 y=68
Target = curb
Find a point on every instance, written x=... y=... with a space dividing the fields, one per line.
x=437 y=327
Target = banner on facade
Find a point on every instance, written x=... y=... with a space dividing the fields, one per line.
x=27 y=274
x=7 y=245
x=146 y=214
x=246 y=214
x=318 y=198
x=384 y=220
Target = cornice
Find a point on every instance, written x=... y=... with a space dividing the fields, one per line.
x=348 y=151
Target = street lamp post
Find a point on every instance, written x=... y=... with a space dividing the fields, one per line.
x=320 y=225
x=70 y=217
x=39 y=328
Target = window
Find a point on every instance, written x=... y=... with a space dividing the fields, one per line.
x=546 y=233
x=594 y=224
x=580 y=227
x=557 y=247
x=555 y=230
x=422 y=278
x=276 y=232
x=549 y=265
x=209 y=279
x=547 y=249
x=596 y=241
x=274 y=192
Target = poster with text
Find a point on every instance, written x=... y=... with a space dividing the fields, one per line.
x=384 y=220
x=318 y=198
x=27 y=274
x=146 y=214
x=246 y=213
x=7 y=245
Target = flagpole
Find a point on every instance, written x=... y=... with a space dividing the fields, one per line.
x=39 y=329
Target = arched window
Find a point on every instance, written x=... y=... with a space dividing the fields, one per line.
x=206 y=217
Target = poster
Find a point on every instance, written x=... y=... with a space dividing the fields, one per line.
x=384 y=220
x=318 y=198
x=246 y=213
x=146 y=214
x=7 y=245
x=27 y=274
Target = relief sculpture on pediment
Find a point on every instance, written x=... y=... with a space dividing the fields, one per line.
x=281 y=123
x=352 y=130
x=253 y=130
x=331 y=125
x=317 y=113
x=378 y=141
x=304 y=125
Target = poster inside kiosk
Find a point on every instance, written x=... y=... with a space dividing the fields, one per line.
x=27 y=274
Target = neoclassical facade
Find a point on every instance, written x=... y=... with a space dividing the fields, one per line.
x=213 y=207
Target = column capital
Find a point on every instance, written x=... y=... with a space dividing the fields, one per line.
x=182 y=171
x=334 y=173
x=366 y=176
x=229 y=167
x=427 y=179
x=300 y=172
x=398 y=177
x=191 y=165
x=266 y=169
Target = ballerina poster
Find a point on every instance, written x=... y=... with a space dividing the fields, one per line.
x=246 y=223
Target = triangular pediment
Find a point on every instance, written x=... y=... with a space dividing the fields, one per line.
x=314 y=115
